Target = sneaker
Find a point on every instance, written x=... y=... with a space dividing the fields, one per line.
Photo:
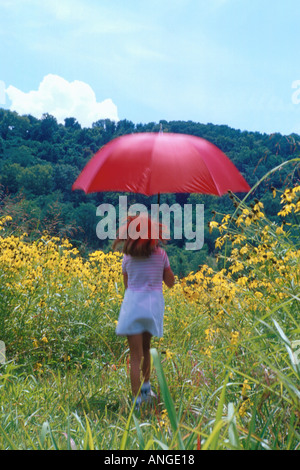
x=147 y=393
x=137 y=402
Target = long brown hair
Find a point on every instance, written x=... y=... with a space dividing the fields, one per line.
x=149 y=236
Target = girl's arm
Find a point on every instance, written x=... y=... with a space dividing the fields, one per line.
x=125 y=279
x=168 y=277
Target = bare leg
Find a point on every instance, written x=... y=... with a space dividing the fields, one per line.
x=146 y=354
x=136 y=353
x=139 y=346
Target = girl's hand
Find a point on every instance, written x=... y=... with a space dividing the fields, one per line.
x=168 y=277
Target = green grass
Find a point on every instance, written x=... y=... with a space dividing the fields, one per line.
x=197 y=407
x=226 y=371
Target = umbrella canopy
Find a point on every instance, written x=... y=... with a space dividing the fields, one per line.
x=153 y=163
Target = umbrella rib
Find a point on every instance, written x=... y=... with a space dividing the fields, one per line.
x=219 y=191
x=149 y=179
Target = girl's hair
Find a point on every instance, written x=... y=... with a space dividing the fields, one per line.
x=140 y=236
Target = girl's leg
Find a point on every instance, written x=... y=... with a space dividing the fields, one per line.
x=136 y=354
x=146 y=353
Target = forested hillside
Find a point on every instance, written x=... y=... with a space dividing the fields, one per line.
x=40 y=159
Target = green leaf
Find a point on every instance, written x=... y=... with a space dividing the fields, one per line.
x=167 y=397
x=213 y=438
x=88 y=439
x=232 y=430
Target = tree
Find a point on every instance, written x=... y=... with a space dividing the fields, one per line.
x=63 y=178
x=124 y=127
x=11 y=174
x=72 y=123
x=85 y=217
x=48 y=127
x=37 y=180
x=1 y=147
x=22 y=155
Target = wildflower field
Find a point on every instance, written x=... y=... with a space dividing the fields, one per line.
x=226 y=371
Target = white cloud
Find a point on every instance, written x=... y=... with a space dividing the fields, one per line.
x=62 y=99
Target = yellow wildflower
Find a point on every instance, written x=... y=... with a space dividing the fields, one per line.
x=244 y=407
x=280 y=230
x=245 y=388
x=169 y=354
x=258 y=295
x=244 y=250
x=213 y=224
x=234 y=337
x=242 y=281
x=208 y=350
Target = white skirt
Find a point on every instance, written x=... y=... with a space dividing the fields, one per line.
x=141 y=311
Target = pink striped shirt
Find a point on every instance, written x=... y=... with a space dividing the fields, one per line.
x=146 y=273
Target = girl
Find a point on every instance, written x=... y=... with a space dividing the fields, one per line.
x=145 y=266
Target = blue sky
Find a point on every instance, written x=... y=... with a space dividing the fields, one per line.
x=231 y=62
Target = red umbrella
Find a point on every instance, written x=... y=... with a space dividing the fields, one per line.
x=153 y=163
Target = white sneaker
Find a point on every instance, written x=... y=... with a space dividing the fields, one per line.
x=147 y=393
x=137 y=402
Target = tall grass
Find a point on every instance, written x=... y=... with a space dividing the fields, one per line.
x=226 y=371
